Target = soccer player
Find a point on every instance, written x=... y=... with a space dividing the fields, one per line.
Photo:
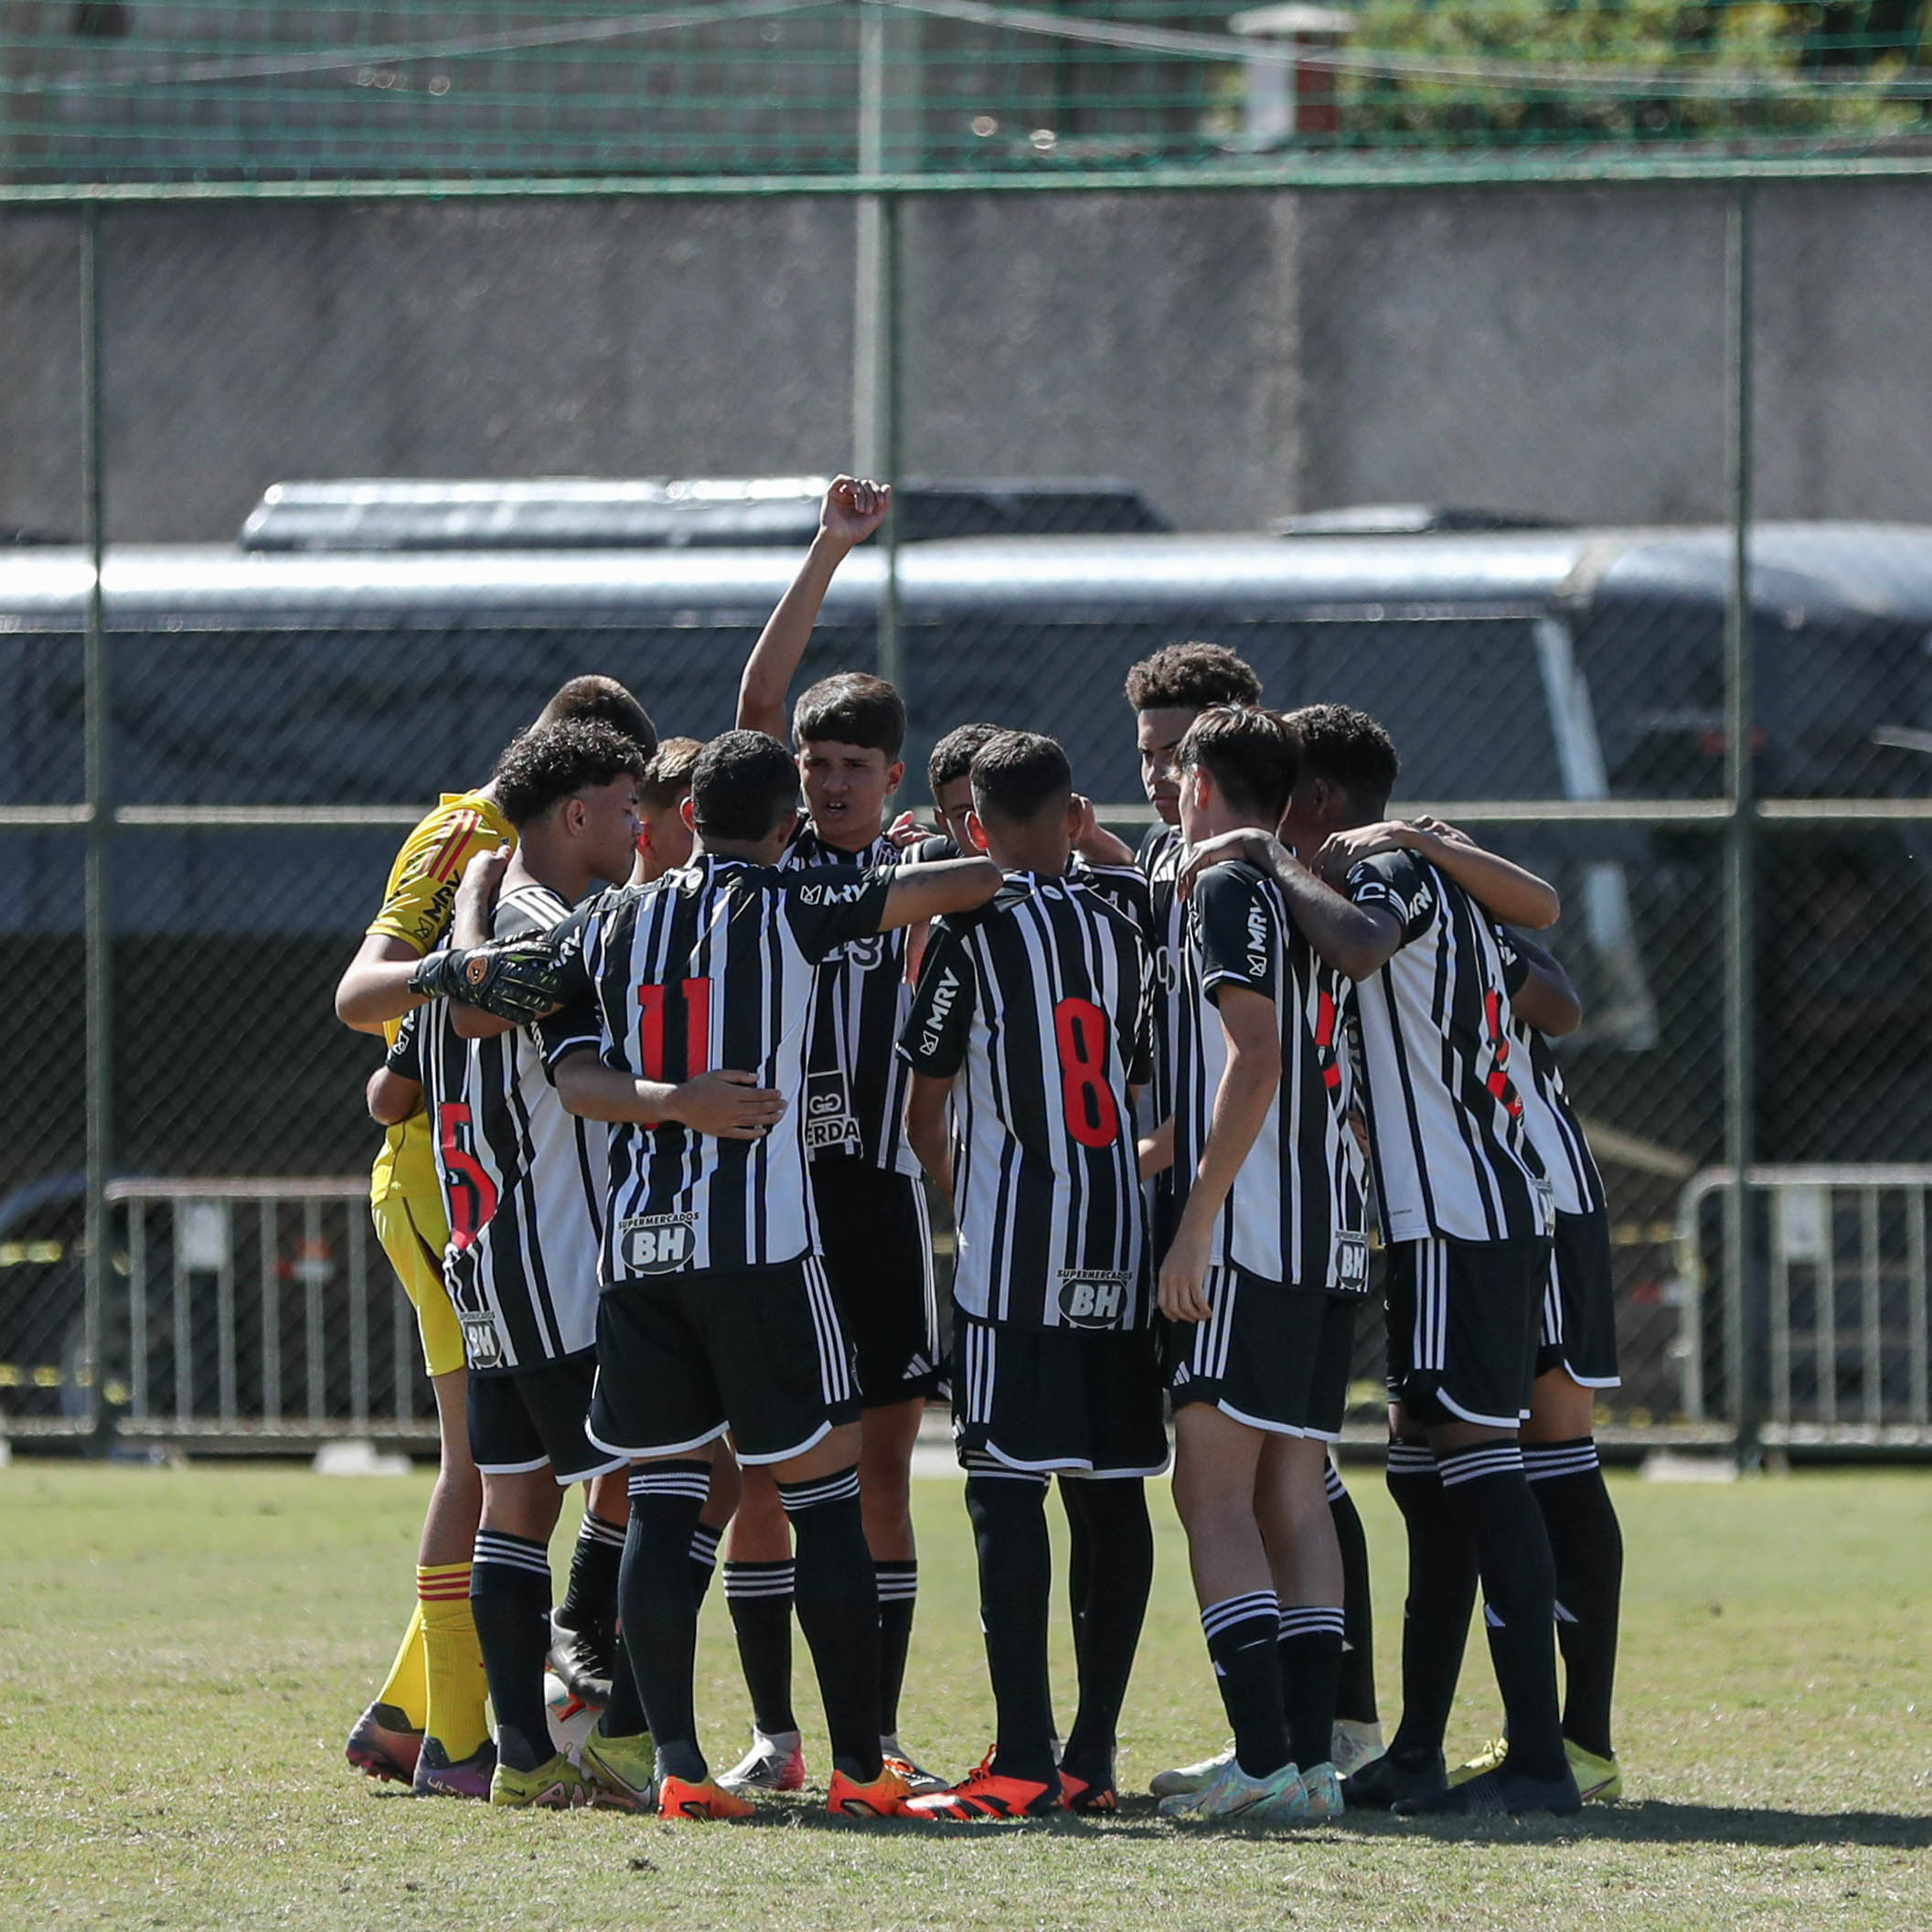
x=1260 y=1284
x=1467 y=1210
x=664 y=840
x=435 y=1686
x=949 y=778
x=848 y=731
x=717 y=1312
x=1033 y=1019
x=521 y=1186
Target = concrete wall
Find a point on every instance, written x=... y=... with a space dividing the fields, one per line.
x=1239 y=355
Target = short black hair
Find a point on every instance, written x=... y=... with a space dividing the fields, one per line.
x=1348 y=749
x=1191 y=677
x=669 y=777
x=606 y=701
x=854 y=708
x=953 y=756
x=541 y=767
x=742 y=783
x=1019 y=775
x=1252 y=754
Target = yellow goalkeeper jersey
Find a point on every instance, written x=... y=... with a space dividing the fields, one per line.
x=417 y=904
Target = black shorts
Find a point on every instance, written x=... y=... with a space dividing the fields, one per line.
x=1045 y=1399
x=522 y=1419
x=1579 y=1305
x=1271 y=1355
x=759 y=1352
x=1463 y=1322
x=876 y=1240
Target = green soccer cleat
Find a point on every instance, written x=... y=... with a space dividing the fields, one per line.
x=1323 y=1784
x=1600 y=1779
x=1490 y=1758
x=622 y=1771
x=555 y=1784
x=1234 y=1797
x=1186 y=1778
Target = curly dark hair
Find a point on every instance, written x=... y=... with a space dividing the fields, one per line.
x=1348 y=749
x=1191 y=677
x=1252 y=754
x=541 y=767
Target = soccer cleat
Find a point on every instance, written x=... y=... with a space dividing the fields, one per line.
x=1234 y=1797
x=773 y=1764
x=918 y=1778
x=1486 y=1759
x=1389 y=1780
x=983 y=1792
x=1323 y=1784
x=1088 y=1798
x=382 y=1745
x=681 y=1798
x=436 y=1777
x=1352 y=1744
x=622 y=1771
x=1492 y=1794
x=1177 y=1783
x=887 y=1795
x=582 y=1660
x=1599 y=1780
x=554 y=1785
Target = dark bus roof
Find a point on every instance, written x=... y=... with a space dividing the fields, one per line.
x=1869 y=569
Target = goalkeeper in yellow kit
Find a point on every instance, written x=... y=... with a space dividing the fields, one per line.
x=426 y=1726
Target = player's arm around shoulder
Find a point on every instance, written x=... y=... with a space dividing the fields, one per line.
x=1541 y=993
x=930 y=891
x=1352 y=937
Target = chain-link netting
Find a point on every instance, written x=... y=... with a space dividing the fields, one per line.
x=1457 y=458
x=261 y=90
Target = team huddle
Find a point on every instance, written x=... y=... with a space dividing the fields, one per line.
x=667 y=1059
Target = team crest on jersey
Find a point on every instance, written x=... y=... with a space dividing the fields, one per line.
x=1090 y=1298
x=1351 y=1263
x=482 y=1347
x=658 y=1243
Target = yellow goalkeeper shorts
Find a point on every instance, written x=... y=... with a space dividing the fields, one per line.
x=412 y=1233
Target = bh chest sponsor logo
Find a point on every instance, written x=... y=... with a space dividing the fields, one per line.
x=1090 y=1299
x=658 y=1243
x=831 y=894
x=1351 y=1262
x=1257 y=943
x=482 y=1347
x=943 y=996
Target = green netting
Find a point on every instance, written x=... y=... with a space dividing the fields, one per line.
x=248 y=90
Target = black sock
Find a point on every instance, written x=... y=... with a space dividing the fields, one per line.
x=1355 y=1686
x=1435 y=1615
x=658 y=1611
x=898 y=1581
x=1588 y=1547
x=838 y=1612
x=1111 y=1516
x=758 y=1596
x=1015 y=1575
x=510 y=1599
x=623 y=1715
x=1243 y=1637
x=704 y=1559
x=1485 y=1489
x=590 y=1599
x=1310 y=1662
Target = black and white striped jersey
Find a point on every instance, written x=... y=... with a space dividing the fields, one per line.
x=523 y=1182
x=1296 y=1212
x=1453 y=1156
x=856 y=1087
x=1037 y=1007
x=714 y=965
x=1554 y=1130
x=1161 y=852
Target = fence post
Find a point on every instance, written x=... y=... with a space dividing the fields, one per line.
x=1740 y=1031
x=98 y=730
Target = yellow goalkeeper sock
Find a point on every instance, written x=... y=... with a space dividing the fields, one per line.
x=407 y=1687
x=453 y=1661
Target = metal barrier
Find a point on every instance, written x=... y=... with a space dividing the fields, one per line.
x=257 y=1310
x=1830 y=1344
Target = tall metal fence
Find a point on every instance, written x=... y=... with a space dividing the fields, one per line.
x=1636 y=394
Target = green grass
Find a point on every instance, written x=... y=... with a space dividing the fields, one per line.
x=181 y=1652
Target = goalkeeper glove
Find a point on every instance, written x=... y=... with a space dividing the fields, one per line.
x=516 y=979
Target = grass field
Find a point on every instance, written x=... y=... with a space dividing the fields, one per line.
x=181 y=1652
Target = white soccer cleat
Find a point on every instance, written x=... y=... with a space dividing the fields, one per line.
x=773 y=1764
x=1185 y=1779
x=1234 y=1797
x=1352 y=1744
